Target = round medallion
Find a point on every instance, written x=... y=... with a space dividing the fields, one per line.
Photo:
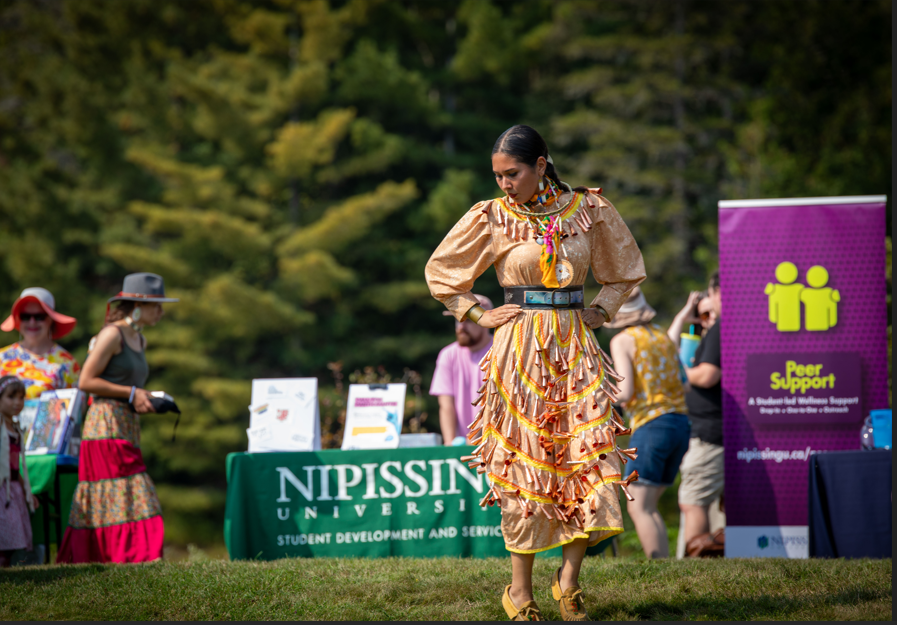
x=563 y=271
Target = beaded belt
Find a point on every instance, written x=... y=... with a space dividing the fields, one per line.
x=540 y=297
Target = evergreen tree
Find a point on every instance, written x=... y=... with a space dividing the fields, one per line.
x=647 y=99
x=289 y=166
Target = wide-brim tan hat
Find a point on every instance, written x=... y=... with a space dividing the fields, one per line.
x=635 y=311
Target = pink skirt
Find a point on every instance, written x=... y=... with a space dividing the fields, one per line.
x=115 y=515
x=15 y=522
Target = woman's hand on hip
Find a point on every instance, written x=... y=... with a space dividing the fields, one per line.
x=142 y=403
x=592 y=317
x=499 y=316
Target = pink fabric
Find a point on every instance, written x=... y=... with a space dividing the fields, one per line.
x=14 y=450
x=15 y=523
x=109 y=459
x=138 y=541
x=458 y=374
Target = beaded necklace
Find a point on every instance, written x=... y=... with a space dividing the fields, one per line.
x=550 y=195
x=549 y=228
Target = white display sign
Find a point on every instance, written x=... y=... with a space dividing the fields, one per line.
x=775 y=541
x=284 y=415
x=374 y=416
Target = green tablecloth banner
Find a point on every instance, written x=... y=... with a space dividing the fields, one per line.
x=41 y=472
x=419 y=502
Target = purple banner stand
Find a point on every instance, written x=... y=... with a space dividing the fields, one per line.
x=804 y=354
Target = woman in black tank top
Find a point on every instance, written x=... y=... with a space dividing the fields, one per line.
x=115 y=514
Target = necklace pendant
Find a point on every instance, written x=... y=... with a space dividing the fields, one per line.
x=540 y=240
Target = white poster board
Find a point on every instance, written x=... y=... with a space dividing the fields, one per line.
x=284 y=415
x=374 y=416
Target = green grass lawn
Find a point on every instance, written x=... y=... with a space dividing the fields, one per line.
x=626 y=588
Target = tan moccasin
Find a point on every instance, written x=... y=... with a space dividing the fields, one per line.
x=570 y=601
x=529 y=611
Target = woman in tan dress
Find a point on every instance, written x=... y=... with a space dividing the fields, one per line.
x=545 y=431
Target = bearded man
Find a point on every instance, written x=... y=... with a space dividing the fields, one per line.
x=458 y=377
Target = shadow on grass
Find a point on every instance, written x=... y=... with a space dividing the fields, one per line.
x=19 y=575
x=741 y=609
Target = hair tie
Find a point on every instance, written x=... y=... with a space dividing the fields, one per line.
x=5 y=383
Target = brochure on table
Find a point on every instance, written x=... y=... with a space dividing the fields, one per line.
x=374 y=416
x=284 y=415
x=56 y=425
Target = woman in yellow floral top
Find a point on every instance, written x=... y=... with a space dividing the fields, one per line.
x=36 y=359
x=654 y=398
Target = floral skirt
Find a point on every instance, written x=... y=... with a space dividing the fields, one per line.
x=546 y=433
x=115 y=515
x=15 y=522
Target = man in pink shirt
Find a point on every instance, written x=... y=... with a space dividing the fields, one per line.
x=458 y=377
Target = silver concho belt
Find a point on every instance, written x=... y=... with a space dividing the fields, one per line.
x=540 y=297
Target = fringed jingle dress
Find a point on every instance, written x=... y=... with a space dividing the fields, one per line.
x=545 y=430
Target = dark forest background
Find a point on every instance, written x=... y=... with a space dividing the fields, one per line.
x=288 y=166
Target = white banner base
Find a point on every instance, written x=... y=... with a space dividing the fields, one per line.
x=768 y=541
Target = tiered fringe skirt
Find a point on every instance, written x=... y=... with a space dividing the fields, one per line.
x=546 y=433
x=115 y=515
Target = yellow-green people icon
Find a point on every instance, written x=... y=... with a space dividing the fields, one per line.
x=820 y=302
x=784 y=299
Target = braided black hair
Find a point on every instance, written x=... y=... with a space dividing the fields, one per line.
x=526 y=145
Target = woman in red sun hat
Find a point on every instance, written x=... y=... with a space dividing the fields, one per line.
x=35 y=358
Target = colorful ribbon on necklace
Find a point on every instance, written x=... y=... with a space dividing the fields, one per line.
x=551 y=241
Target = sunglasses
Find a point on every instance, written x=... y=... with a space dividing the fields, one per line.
x=30 y=316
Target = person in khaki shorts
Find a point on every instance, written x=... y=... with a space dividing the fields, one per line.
x=702 y=467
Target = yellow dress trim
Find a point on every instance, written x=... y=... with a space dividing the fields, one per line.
x=531 y=384
x=615 y=530
x=524 y=421
x=556 y=323
x=529 y=495
x=491 y=432
x=542 y=340
x=521 y=369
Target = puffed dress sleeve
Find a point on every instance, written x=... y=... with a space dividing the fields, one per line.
x=464 y=254
x=616 y=260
